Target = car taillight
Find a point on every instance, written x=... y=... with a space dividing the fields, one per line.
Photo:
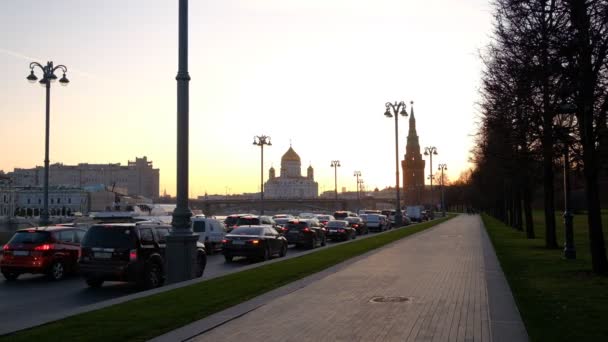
x=306 y=230
x=355 y=225
x=341 y=230
x=6 y=247
x=224 y=241
x=133 y=255
x=254 y=242
x=44 y=247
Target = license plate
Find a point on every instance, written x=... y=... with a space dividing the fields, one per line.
x=102 y=255
x=237 y=242
x=333 y=231
x=21 y=253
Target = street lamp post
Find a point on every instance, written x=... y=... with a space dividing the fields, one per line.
x=261 y=140
x=48 y=77
x=442 y=168
x=182 y=259
x=358 y=174
x=397 y=108
x=335 y=164
x=430 y=151
x=565 y=114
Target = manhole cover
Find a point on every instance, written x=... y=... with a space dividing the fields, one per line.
x=380 y=299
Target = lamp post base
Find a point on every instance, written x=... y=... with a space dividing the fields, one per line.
x=181 y=257
x=569 y=250
x=398 y=220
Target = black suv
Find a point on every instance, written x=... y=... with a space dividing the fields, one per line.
x=133 y=252
x=306 y=232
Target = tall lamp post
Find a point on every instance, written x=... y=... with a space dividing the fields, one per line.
x=358 y=174
x=48 y=77
x=261 y=140
x=183 y=263
x=430 y=151
x=442 y=168
x=397 y=108
x=566 y=112
x=335 y=164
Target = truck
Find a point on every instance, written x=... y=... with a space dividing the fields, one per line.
x=414 y=212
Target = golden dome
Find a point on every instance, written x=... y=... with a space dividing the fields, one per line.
x=290 y=155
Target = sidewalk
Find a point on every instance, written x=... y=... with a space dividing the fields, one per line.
x=443 y=284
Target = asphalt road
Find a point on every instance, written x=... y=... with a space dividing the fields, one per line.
x=32 y=299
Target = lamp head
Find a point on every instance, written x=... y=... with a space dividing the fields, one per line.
x=32 y=78
x=426 y=152
x=388 y=113
x=403 y=112
x=53 y=78
x=64 y=80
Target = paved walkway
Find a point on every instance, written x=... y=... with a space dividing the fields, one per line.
x=443 y=284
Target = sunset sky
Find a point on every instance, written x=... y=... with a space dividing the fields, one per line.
x=316 y=73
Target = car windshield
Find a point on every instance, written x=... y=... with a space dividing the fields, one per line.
x=323 y=217
x=373 y=218
x=353 y=219
x=247 y=231
x=30 y=236
x=336 y=224
x=248 y=221
x=297 y=226
x=109 y=236
x=231 y=220
x=198 y=226
x=281 y=220
x=340 y=215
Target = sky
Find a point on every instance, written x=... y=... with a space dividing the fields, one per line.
x=315 y=74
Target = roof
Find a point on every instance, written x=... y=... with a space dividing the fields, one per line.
x=290 y=155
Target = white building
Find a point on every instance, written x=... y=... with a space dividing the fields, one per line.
x=291 y=183
x=28 y=201
x=138 y=177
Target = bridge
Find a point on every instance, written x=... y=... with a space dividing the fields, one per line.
x=230 y=206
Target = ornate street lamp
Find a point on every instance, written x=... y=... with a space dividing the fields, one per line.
x=48 y=77
x=430 y=151
x=335 y=164
x=358 y=174
x=442 y=167
x=565 y=113
x=261 y=140
x=181 y=252
x=397 y=108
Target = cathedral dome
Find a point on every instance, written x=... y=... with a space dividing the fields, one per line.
x=290 y=155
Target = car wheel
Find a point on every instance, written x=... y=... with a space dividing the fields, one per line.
x=283 y=251
x=324 y=241
x=94 y=282
x=10 y=276
x=152 y=276
x=228 y=258
x=209 y=248
x=57 y=270
x=201 y=263
x=354 y=235
x=313 y=243
x=266 y=255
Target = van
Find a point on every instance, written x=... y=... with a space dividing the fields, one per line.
x=210 y=232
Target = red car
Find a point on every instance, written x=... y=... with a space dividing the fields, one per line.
x=49 y=250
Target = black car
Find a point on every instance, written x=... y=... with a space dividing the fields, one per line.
x=358 y=224
x=133 y=252
x=340 y=230
x=306 y=232
x=254 y=242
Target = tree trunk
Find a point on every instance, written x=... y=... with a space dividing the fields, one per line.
x=528 y=210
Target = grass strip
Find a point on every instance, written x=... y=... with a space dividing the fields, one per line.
x=145 y=318
x=559 y=299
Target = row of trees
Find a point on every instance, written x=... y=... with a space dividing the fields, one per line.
x=544 y=93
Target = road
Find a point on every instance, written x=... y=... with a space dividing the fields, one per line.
x=33 y=299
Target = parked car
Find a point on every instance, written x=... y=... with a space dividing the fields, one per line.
x=231 y=220
x=357 y=223
x=49 y=250
x=377 y=222
x=133 y=252
x=254 y=242
x=306 y=232
x=210 y=232
x=324 y=219
x=340 y=230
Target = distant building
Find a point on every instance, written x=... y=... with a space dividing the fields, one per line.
x=290 y=183
x=138 y=177
x=413 y=166
x=28 y=201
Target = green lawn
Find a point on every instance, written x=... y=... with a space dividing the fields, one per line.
x=145 y=318
x=559 y=300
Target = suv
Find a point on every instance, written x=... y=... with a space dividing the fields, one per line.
x=305 y=233
x=50 y=250
x=133 y=252
x=210 y=232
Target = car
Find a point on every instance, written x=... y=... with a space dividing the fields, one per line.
x=280 y=224
x=357 y=223
x=50 y=250
x=282 y=216
x=377 y=222
x=132 y=252
x=231 y=220
x=254 y=242
x=341 y=214
x=324 y=219
x=307 y=232
x=253 y=220
x=210 y=232
x=340 y=230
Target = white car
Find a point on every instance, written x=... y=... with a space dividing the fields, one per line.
x=210 y=231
